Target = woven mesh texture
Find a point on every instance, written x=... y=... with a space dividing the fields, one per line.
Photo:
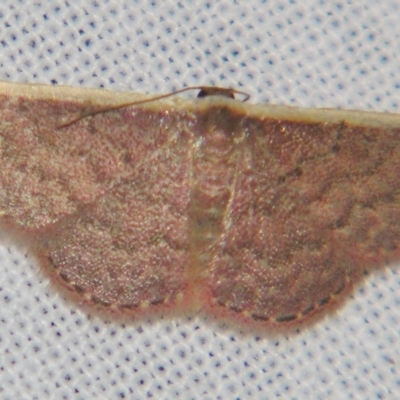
x=338 y=53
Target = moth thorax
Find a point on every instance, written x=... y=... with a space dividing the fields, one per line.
x=214 y=170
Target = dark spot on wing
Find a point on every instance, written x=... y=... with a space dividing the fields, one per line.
x=79 y=289
x=324 y=301
x=97 y=300
x=308 y=309
x=286 y=318
x=258 y=317
x=64 y=277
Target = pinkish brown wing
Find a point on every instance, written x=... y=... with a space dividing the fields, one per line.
x=129 y=249
x=48 y=173
x=260 y=219
x=103 y=201
x=314 y=204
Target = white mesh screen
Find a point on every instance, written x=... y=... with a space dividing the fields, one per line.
x=307 y=53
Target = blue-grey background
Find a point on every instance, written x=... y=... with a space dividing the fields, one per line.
x=308 y=53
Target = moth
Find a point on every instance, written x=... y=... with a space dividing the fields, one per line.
x=259 y=214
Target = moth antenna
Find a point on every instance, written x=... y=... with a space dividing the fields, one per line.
x=204 y=91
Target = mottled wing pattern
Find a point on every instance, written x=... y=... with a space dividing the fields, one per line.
x=206 y=204
x=48 y=173
x=128 y=250
x=314 y=205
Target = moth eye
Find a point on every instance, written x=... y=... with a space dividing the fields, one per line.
x=211 y=91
